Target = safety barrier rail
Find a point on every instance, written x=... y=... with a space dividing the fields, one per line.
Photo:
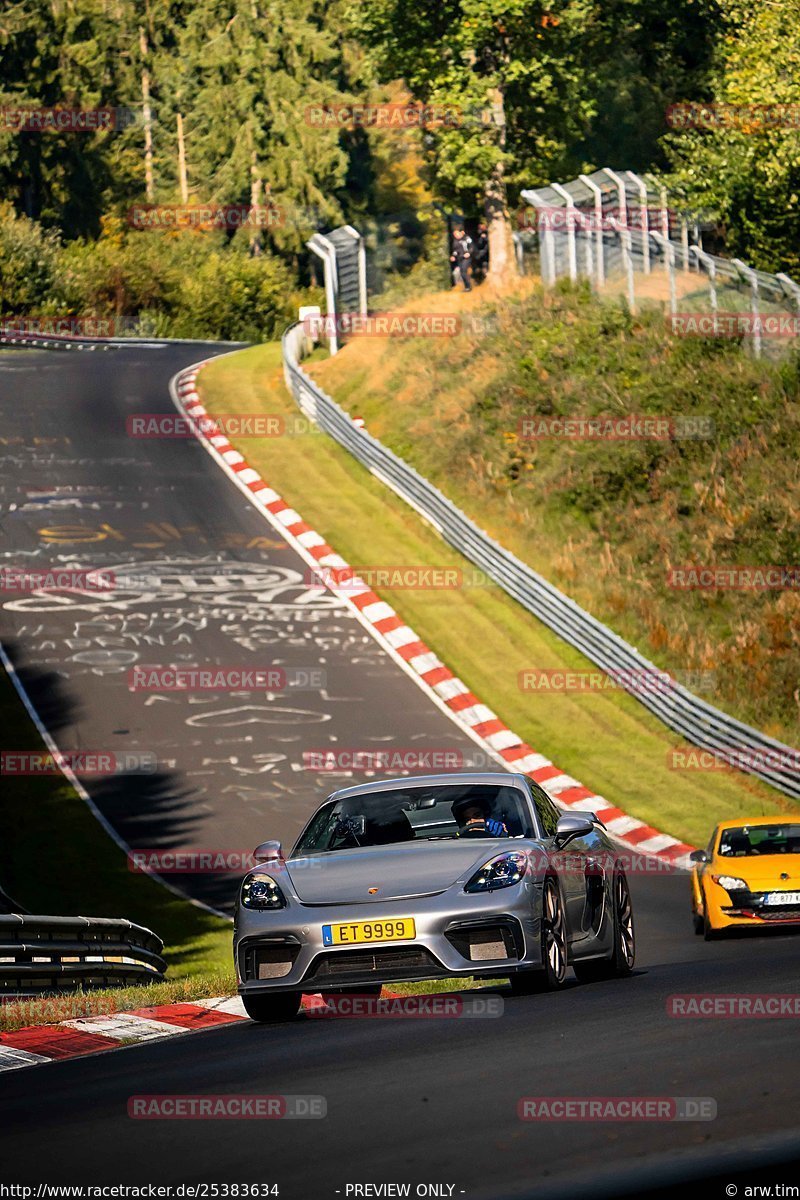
x=51 y=954
x=693 y=718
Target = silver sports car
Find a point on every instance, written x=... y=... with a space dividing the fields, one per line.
x=430 y=877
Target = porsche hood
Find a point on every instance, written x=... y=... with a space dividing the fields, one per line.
x=394 y=872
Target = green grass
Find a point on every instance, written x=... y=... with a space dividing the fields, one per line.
x=48 y=1010
x=57 y=860
x=608 y=741
x=604 y=520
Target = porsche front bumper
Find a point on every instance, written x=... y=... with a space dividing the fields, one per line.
x=457 y=933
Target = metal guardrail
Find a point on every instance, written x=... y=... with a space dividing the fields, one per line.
x=693 y=718
x=51 y=954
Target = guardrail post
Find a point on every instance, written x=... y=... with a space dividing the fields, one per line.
x=685 y=242
x=600 y=265
x=642 y=186
x=327 y=252
x=750 y=277
x=627 y=260
x=711 y=267
x=571 y=222
x=669 y=257
x=547 y=249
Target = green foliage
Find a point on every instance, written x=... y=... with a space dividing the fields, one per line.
x=28 y=257
x=747 y=172
x=573 y=81
x=235 y=297
x=187 y=285
x=603 y=519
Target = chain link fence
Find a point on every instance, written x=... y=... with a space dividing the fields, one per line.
x=614 y=226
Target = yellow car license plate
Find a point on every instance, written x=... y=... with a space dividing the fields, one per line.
x=354 y=933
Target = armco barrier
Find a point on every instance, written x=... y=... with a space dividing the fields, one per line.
x=51 y=954
x=694 y=719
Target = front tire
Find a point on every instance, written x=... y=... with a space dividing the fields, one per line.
x=282 y=1006
x=553 y=974
x=623 y=955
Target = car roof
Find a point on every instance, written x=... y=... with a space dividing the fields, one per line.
x=775 y=819
x=449 y=779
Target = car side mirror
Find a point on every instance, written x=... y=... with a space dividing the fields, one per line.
x=698 y=856
x=268 y=852
x=573 y=825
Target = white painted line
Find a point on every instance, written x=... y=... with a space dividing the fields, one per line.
x=560 y=783
x=655 y=844
x=504 y=739
x=379 y=611
x=125 y=1025
x=332 y=560
x=225 y=1004
x=477 y=714
x=403 y=636
x=622 y=825
x=11 y=1058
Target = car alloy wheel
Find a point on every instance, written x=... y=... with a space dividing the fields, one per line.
x=553 y=972
x=554 y=936
x=623 y=952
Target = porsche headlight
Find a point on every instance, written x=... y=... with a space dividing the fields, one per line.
x=731 y=883
x=261 y=891
x=502 y=871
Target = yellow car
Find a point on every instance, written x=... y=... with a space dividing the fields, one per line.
x=748 y=876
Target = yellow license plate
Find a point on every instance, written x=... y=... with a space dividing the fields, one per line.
x=354 y=933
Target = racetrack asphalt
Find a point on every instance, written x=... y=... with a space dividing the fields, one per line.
x=229 y=767
x=417 y=1101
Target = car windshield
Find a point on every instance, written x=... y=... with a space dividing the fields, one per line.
x=410 y=814
x=750 y=840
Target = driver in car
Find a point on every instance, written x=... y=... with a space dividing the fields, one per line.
x=470 y=816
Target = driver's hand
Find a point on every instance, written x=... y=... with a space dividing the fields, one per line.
x=496 y=828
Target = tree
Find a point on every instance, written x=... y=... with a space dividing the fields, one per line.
x=530 y=84
x=746 y=169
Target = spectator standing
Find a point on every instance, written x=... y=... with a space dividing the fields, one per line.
x=480 y=253
x=461 y=257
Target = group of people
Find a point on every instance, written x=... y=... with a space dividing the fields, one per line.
x=469 y=258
